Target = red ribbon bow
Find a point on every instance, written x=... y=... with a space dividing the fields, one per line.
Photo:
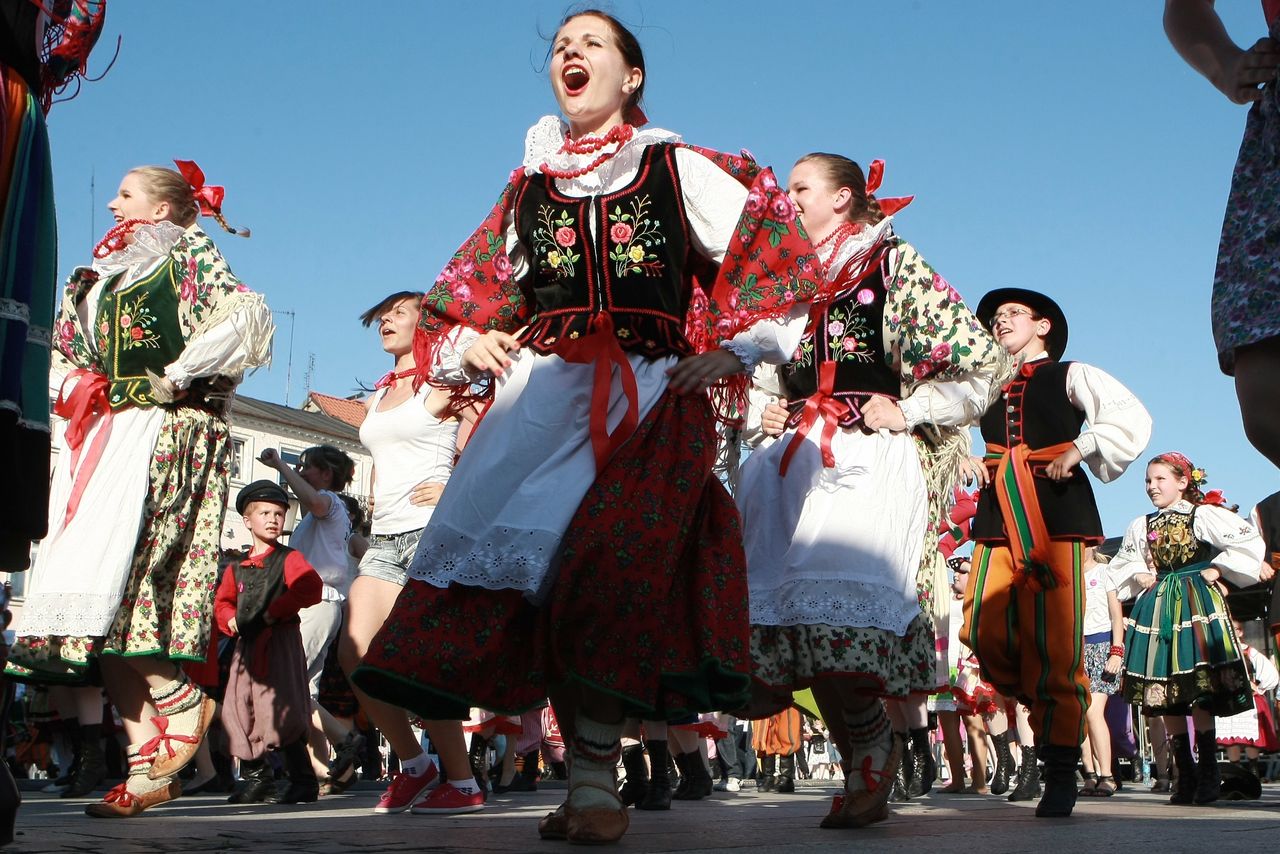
x=832 y=411
x=209 y=196
x=87 y=403
x=891 y=205
x=872 y=778
x=163 y=739
x=1215 y=497
x=600 y=347
x=120 y=795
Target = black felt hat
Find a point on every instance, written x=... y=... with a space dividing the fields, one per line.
x=1056 y=343
x=261 y=490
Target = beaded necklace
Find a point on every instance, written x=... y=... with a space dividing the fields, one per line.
x=619 y=135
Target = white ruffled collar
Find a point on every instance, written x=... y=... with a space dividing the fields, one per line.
x=542 y=145
x=1182 y=505
x=860 y=245
x=150 y=242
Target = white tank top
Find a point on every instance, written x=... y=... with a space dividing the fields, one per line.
x=409 y=445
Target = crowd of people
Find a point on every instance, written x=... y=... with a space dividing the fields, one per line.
x=552 y=565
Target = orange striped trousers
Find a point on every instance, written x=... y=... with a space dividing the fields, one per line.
x=1031 y=644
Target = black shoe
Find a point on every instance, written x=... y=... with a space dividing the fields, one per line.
x=346 y=754
x=92 y=761
x=658 y=793
x=695 y=780
x=924 y=765
x=257 y=782
x=637 y=782
x=768 y=773
x=786 y=775
x=903 y=780
x=1004 y=764
x=1027 y=785
x=303 y=788
x=1059 y=781
x=479 y=759
x=1184 y=790
x=1208 y=776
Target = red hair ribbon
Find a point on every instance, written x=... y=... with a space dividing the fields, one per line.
x=891 y=205
x=1178 y=460
x=209 y=196
x=1215 y=497
x=635 y=116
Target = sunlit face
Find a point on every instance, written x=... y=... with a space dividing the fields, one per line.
x=396 y=327
x=316 y=476
x=132 y=202
x=264 y=520
x=821 y=205
x=1163 y=486
x=591 y=80
x=1017 y=328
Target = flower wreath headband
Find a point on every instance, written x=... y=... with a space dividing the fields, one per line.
x=207 y=196
x=1197 y=476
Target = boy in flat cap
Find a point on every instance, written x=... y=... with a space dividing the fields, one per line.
x=267 y=702
x=1036 y=516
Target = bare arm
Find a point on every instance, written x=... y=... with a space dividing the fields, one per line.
x=1197 y=33
x=308 y=496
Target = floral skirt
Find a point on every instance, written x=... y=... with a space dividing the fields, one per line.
x=1181 y=651
x=791 y=658
x=1246 y=285
x=1095 y=664
x=167 y=608
x=973 y=696
x=649 y=602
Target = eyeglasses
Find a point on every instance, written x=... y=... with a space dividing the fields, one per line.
x=1009 y=314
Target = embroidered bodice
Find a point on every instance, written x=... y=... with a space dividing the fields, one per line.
x=1171 y=540
x=137 y=331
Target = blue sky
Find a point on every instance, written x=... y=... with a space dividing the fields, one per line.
x=1062 y=147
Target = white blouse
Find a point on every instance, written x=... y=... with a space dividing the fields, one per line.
x=1239 y=545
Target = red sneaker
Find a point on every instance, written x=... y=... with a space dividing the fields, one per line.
x=405 y=789
x=446 y=800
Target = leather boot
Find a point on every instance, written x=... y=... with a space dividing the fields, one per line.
x=257 y=782
x=93 y=763
x=786 y=774
x=637 y=782
x=1208 y=777
x=1004 y=764
x=1027 y=785
x=768 y=773
x=1184 y=790
x=695 y=780
x=904 y=779
x=926 y=767
x=658 y=794
x=303 y=787
x=1059 y=781
x=479 y=759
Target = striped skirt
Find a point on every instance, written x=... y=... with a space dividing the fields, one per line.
x=1180 y=649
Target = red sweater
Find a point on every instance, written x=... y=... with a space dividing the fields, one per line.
x=303 y=589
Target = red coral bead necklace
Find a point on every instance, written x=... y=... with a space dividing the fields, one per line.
x=117 y=237
x=619 y=135
x=838 y=237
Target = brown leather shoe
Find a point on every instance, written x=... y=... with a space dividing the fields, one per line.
x=121 y=803
x=554 y=825
x=174 y=750
x=596 y=826
x=859 y=809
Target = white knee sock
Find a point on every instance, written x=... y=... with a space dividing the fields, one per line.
x=593 y=771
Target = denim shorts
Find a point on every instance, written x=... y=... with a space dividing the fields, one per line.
x=389 y=556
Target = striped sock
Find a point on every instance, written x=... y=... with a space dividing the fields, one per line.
x=593 y=769
x=870 y=735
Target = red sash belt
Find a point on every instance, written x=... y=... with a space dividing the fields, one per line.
x=1014 y=482
x=87 y=403
x=832 y=410
x=600 y=347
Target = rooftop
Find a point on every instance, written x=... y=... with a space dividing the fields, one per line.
x=342 y=408
x=300 y=419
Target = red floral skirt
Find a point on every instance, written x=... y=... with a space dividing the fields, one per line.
x=649 y=602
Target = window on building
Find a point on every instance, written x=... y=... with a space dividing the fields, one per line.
x=239 y=467
x=291 y=457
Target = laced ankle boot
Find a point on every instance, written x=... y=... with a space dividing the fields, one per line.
x=1184 y=790
x=637 y=782
x=926 y=767
x=1027 y=785
x=658 y=794
x=1004 y=764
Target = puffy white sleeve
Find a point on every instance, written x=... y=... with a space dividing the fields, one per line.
x=1131 y=560
x=1241 y=547
x=765 y=389
x=1264 y=672
x=448 y=365
x=1119 y=426
x=240 y=341
x=950 y=403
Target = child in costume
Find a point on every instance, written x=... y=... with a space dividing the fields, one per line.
x=1181 y=654
x=842 y=515
x=1036 y=515
x=620 y=277
x=267 y=702
x=158 y=333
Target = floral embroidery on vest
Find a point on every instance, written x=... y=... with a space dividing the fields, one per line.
x=138 y=320
x=847 y=334
x=632 y=235
x=553 y=242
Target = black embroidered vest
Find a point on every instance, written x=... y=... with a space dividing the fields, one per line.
x=849 y=334
x=638 y=266
x=1034 y=410
x=256 y=588
x=1172 y=542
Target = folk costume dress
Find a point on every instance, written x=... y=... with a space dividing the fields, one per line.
x=39 y=57
x=141 y=482
x=1025 y=599
x=582 y=535
x=841 y=524
x=1246 y=282
x=1180 y=650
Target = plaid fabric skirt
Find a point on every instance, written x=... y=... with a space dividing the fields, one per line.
x=1181 y=651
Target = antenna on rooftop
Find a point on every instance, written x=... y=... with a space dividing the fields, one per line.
x=288 y=375
x=311 y=369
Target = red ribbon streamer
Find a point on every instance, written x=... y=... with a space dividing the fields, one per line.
x=210 y=196
x=600 y=347
x=891 y=205
x=87 y=403
x=832 y=411
x=163 y=739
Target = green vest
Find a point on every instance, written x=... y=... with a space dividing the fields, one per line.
x=138 y=331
